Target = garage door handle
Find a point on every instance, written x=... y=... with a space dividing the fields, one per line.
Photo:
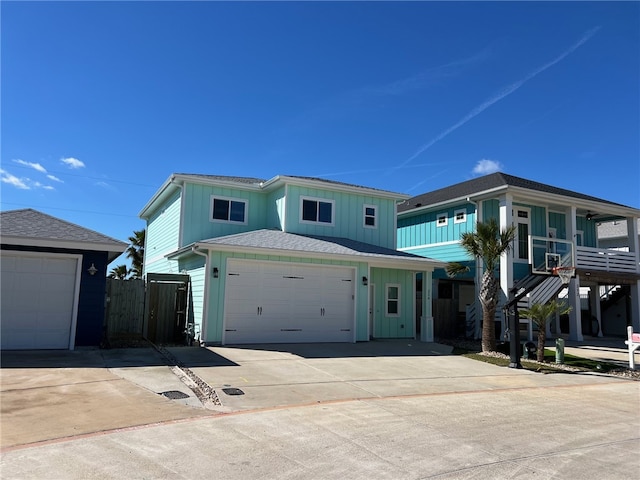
x=259 y=312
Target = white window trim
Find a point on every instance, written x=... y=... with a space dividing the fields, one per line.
x=386 y=299
x=517 y=220
x=446 y=219
x=364 y=216
x=230 y=199
x=464 y=216
x=317 y=199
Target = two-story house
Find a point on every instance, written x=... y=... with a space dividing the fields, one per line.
x=555 y=228
x=286 y=260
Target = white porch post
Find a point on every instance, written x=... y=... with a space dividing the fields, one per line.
x=594 y=299
x=634 y=246
x=575 y=316
x=506 y=261
x=426 y=327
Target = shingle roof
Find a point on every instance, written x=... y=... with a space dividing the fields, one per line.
x=224 y=178
x=34 y=225
x=489 y=182
x=304 y=244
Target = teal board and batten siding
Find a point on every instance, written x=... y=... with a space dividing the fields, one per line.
x=422 y=229
x=348 y=215
x=197 y=217
x=391 y=326
x=214 y=323
x=162 y=237
x=558 y=222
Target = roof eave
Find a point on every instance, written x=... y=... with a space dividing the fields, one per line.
x=112 y=248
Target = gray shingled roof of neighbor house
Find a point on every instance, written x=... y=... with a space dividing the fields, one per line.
x=310 y=244
x=616 y=229
x=490 y=182
x=18 y=226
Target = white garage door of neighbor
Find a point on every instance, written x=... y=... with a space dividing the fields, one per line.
x=38 y=298
x=288 y=303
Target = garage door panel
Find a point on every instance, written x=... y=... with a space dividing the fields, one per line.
x=290 y=303
x=38 y=300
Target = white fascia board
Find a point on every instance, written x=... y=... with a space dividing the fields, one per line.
x=305 y=182
x=455 y=201
x=66 y=244
x=160 y=193
x=418 y=264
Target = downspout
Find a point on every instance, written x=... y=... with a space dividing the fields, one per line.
x=205 y=302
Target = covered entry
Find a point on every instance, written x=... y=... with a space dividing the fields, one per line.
x=276 y=302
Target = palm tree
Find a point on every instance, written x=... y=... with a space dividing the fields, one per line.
x=540 y=313
x=120 y=272
x=136 y=252
x=488 y=244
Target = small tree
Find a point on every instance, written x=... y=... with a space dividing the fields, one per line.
x=136 y=252
x=540 y=313
x=120 y=272
x=487 y=243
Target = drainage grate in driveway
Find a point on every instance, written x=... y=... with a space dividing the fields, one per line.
x=174 y=395
x=233 y=391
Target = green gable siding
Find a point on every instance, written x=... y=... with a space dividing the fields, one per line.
x=348 y=215
x=402 y=326
x=276 y=209
x=197 y=212
x=162 y=235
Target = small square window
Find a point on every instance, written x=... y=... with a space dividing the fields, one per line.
x=442 y=220
x=460 y=216
x=370 y=220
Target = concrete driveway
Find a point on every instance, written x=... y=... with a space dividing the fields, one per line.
x=387 y=409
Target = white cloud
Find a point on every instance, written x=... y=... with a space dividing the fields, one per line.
x=44 y=187
x=35 y=166
x=54 y=178
x=72 y=162
x=485 y=167
x=6 y=177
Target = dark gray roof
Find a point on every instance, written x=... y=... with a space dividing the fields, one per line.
x=224 y=178
x=488 y=182
x=304 y=244
x=34 y=225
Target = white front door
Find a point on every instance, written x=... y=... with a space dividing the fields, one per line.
x=274 y=302
x=38 y=299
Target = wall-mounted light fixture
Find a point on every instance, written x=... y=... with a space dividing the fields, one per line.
x=365 y=281
x=216 y=272
x=92 y=270
x=589 y=216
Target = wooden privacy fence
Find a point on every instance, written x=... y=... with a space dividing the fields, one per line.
x=125 y=307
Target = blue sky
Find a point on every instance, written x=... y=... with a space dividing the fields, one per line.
x=103 y=101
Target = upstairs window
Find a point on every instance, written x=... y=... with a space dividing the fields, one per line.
x=460 y=216
x=370 y=216
x=442 y=220
x=232 y=210
x=315 y=210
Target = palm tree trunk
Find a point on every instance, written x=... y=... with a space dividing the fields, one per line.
x=489 y=302
x=542 y=338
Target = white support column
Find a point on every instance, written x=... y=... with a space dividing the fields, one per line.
x=594 y=299
x=575 y=316
x=426 y=326
x=634 y=246
x=506 y=261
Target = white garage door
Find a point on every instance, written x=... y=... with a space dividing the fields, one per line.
x=288 y=303
x=38 y=297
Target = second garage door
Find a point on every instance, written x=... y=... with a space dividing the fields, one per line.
x=288 y=303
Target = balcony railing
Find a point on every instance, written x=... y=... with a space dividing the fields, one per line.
x=607 y=260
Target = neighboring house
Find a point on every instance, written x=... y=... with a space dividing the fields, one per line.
x=53 y=276
x=286 y=260
x=554 y=226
